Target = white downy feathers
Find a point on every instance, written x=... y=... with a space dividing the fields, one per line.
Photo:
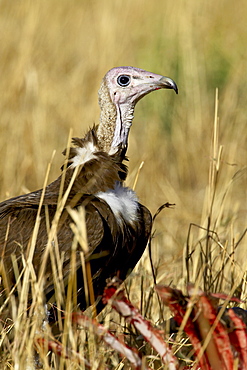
x=84 y=155
x=123 y=202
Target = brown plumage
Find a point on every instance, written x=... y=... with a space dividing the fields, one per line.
x=118 y=226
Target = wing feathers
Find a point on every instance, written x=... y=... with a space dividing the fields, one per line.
x=114 y=247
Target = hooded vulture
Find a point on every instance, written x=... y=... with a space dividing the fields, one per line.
x=117 y=225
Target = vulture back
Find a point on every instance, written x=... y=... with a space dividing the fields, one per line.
x=116 y=239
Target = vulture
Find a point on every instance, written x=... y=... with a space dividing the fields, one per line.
x=117 y=225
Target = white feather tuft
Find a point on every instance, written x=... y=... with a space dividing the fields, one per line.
x=84 y=155
x=123 y=202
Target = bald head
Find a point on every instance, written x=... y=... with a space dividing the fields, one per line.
x=129 y=84
x=121 y=89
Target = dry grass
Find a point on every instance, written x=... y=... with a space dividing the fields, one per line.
x=53 y=56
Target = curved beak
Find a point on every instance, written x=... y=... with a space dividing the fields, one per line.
x=167 y=83
x=148 y=82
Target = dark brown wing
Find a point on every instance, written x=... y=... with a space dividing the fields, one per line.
x=114 y=245
x=121 y=246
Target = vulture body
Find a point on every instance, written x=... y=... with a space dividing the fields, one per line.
x=118 y=226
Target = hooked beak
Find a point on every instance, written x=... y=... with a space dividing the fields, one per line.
x=167 y=83
x=151 y=82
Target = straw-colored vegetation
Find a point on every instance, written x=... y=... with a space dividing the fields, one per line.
x=194 y=146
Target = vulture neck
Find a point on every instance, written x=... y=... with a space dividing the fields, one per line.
x=115 y=122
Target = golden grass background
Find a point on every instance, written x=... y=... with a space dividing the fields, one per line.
x=53 y=55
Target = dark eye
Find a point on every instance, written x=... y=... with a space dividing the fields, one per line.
x=123 y=80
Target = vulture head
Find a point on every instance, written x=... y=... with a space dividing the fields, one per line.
x=121 y=89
